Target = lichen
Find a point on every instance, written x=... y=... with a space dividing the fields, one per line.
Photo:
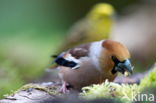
x=51 y=90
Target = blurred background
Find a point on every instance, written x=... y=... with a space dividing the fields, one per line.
x=32 y=30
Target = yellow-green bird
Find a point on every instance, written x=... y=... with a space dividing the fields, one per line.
x=95 y=26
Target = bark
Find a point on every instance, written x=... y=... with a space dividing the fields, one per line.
x=33 y=93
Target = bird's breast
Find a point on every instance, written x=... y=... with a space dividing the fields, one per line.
x=86 y=75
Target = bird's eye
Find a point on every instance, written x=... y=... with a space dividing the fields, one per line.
x=116 y=61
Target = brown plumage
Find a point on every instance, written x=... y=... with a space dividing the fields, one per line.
x=93 y=63
x=112 y=48
x=117 y=49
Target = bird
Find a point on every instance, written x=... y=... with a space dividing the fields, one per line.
x=96 y=25
x=92 y=63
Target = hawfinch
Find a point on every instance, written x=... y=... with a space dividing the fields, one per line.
x=95 y=26
x=93 y=63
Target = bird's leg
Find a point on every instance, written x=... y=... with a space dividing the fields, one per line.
x=64 y=89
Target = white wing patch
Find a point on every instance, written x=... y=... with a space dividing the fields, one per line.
x=69 y=57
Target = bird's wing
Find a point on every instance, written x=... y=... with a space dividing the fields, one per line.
x=76 y=35
x=80 y=51
x=78 y=31
x=71 y=58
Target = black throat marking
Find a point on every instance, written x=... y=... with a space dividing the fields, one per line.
x=113 y=70
x=116 y=61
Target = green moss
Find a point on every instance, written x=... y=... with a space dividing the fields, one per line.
x=110 y=90
x=123 y=92
x=149 y=80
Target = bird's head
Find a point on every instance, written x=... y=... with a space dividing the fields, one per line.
x=101 y=10
x=119 y=56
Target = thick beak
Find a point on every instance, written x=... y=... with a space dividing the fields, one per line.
x=125 y=67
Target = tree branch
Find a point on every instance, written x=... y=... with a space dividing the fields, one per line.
x=39 y=92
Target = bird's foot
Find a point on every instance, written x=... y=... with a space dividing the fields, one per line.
x=64 y=88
